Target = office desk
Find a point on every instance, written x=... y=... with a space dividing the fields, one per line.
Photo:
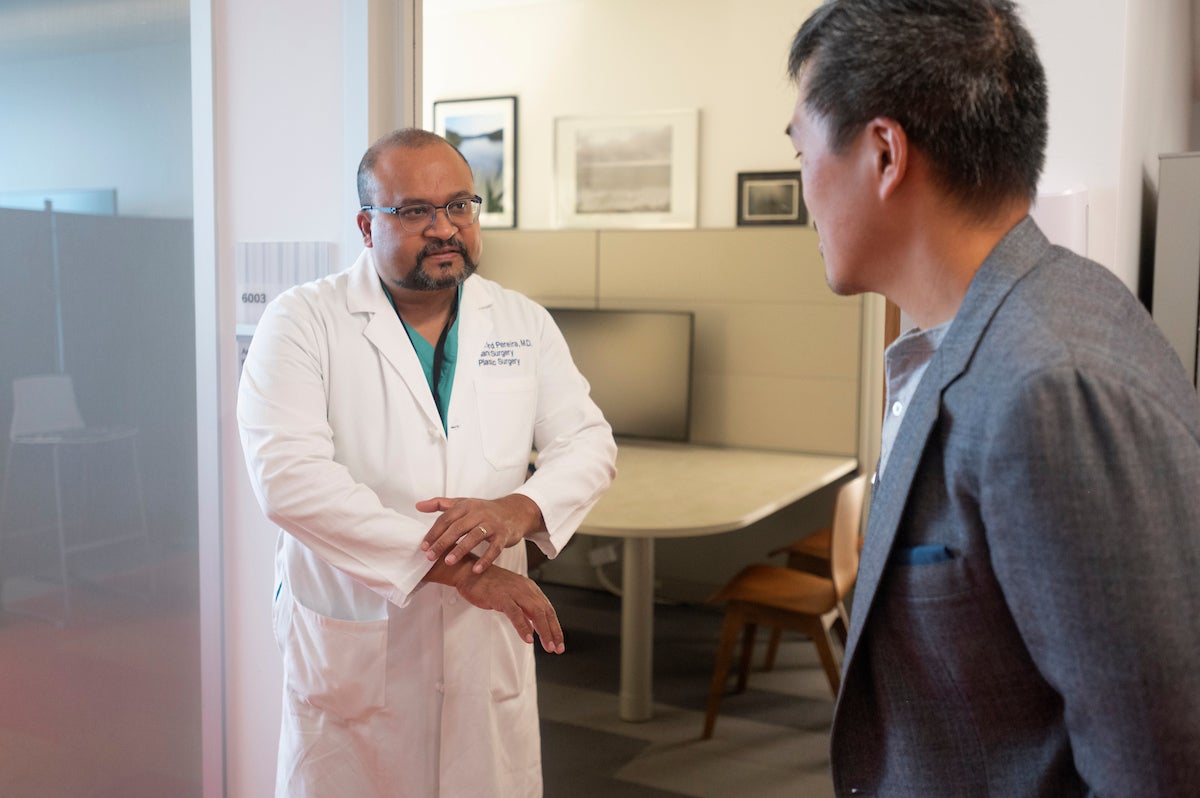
x=682 y=490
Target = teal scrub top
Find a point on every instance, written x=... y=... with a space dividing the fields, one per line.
x=427 y=354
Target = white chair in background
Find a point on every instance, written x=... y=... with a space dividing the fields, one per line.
x=45 y=414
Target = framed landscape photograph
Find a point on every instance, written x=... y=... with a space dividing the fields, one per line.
x=485 y=132
x=770 y=198
x=634 y=170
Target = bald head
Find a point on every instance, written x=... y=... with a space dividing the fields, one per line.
x=409 y=138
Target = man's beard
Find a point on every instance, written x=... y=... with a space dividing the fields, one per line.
x=419 y=280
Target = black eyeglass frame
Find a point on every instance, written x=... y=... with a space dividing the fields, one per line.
x=431 y=219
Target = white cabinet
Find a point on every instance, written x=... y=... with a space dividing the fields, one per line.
x=1176 y=303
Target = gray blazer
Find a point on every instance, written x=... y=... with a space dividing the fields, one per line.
x=1027 y=615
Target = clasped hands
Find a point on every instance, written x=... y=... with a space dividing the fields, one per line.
x=463 y=525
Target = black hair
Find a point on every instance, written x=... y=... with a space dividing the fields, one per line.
x=961 y=77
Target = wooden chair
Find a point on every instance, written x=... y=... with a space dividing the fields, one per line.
x=790 y=599
x=811 y=555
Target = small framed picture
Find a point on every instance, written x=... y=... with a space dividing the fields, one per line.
x=770 y=198
x=485 y=131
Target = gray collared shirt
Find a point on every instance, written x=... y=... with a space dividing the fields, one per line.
x=905 y=361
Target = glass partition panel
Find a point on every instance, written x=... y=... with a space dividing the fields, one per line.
x=99 y=618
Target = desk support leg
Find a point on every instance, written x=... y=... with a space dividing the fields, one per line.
x=637 y=630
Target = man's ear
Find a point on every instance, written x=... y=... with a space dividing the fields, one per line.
x=891 y=152
x=364 y=226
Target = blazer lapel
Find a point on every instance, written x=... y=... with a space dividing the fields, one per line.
x=386 y=333
x=1014 y=256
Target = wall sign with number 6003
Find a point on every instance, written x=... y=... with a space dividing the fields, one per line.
x=254 y=299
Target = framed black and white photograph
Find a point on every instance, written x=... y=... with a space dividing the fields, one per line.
x=634 y=170
x=770 y=198
x=485 y=132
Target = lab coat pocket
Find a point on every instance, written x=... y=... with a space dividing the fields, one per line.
x=335 y=665
x=507 y=408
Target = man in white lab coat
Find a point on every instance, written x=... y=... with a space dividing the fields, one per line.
x=387 y=415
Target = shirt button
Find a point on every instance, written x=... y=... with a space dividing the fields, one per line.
x=440 y=687
x=897 y=409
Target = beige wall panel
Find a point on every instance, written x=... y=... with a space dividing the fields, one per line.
x=777 y=353
x=554 y=267
x=737 y=265
x=562 y=301
x=770 y=338
x=809 y=341
x=817 y=416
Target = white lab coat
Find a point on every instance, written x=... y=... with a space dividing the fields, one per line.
x=394 y=687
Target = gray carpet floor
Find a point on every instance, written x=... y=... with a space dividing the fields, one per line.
x=770 y=740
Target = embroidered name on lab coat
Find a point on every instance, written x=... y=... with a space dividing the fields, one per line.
x=503 y=354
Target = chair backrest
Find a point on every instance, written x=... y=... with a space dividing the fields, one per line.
x=843 y=538
x=45 y=403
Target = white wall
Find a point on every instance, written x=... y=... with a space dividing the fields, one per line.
x=124 y=106
x=1085 y=77
x=601 y=57
x=1124 y=81
x=1156 y=118
x=1118 y=72
x=279 y=106
x=293 y=113
x=1115 y=70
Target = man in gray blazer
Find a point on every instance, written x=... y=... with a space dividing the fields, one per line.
x=1027 y=616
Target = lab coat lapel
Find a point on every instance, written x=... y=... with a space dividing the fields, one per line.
x=475 y=324
x=1013 y=257
x=386 y=332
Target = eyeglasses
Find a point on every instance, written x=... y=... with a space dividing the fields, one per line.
x=462 y=212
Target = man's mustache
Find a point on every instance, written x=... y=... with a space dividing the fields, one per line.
x=440 y=247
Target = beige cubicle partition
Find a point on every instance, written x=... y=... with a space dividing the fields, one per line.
x=777 y=354
x=777 y=363
x=555 y=267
